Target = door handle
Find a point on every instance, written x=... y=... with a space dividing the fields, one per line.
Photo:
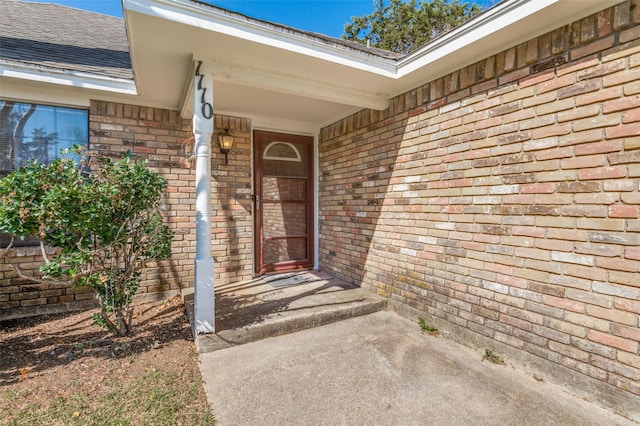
x=257 y=202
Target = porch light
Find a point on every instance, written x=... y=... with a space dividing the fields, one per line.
x=225 y=140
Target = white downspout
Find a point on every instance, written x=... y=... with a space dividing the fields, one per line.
x=204 y=294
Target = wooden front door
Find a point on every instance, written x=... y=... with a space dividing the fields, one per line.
x=283 y=201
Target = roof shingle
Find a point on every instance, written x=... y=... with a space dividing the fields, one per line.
x=64 y=38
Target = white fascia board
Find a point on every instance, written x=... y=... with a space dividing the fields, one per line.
x=235 y=25
x=499 y=17
x=67 y=78
x=489 y=23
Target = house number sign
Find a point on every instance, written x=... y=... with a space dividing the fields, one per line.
x=207 y=108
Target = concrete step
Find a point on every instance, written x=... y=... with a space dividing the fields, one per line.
x=255 y=310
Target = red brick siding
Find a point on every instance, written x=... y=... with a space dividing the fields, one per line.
x=503 y=198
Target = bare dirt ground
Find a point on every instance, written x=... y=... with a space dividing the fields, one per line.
x=62 y=369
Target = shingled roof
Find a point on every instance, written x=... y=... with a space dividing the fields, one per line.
x=64 y=39
x=337 y=42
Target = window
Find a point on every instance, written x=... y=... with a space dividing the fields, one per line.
x=31 y=132
x=281 y=151
x=38 y=132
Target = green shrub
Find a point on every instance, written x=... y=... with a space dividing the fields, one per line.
x=105 y=223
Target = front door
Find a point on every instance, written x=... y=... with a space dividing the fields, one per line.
x=283 y=201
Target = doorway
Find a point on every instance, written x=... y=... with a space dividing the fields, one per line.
x=283 y=202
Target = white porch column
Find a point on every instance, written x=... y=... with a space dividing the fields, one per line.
x=204 y=297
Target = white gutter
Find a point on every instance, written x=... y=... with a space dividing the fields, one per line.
x=66 y=78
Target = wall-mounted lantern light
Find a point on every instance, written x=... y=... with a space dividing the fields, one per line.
x=225 y=139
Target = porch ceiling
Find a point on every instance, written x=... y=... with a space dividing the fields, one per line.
x=281 y=75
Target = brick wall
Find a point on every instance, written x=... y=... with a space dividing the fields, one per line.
x=501 y=202
x=161 y=137
x=20 y=297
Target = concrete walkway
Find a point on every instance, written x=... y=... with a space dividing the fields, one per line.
x=379 y=369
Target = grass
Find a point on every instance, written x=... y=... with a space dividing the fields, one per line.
x=150 y=398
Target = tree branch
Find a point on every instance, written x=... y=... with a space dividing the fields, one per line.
x=43 y=251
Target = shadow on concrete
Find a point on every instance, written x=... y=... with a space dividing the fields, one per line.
x=254 y=310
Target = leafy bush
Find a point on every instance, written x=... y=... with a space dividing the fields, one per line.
x=105 y=223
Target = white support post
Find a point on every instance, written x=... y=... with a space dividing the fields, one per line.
x=204 y=294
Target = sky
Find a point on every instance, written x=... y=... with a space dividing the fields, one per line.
x=323 y=16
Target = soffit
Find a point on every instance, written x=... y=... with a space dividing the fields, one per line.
x=254 y=75
x=267 y=70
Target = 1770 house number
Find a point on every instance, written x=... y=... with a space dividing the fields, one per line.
x=207 y=108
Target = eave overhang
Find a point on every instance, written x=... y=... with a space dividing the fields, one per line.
x=505 y=25
x=274 y=72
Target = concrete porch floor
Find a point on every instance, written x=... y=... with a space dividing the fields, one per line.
x=253 y=310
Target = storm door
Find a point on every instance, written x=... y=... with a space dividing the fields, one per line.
x=283 y=201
